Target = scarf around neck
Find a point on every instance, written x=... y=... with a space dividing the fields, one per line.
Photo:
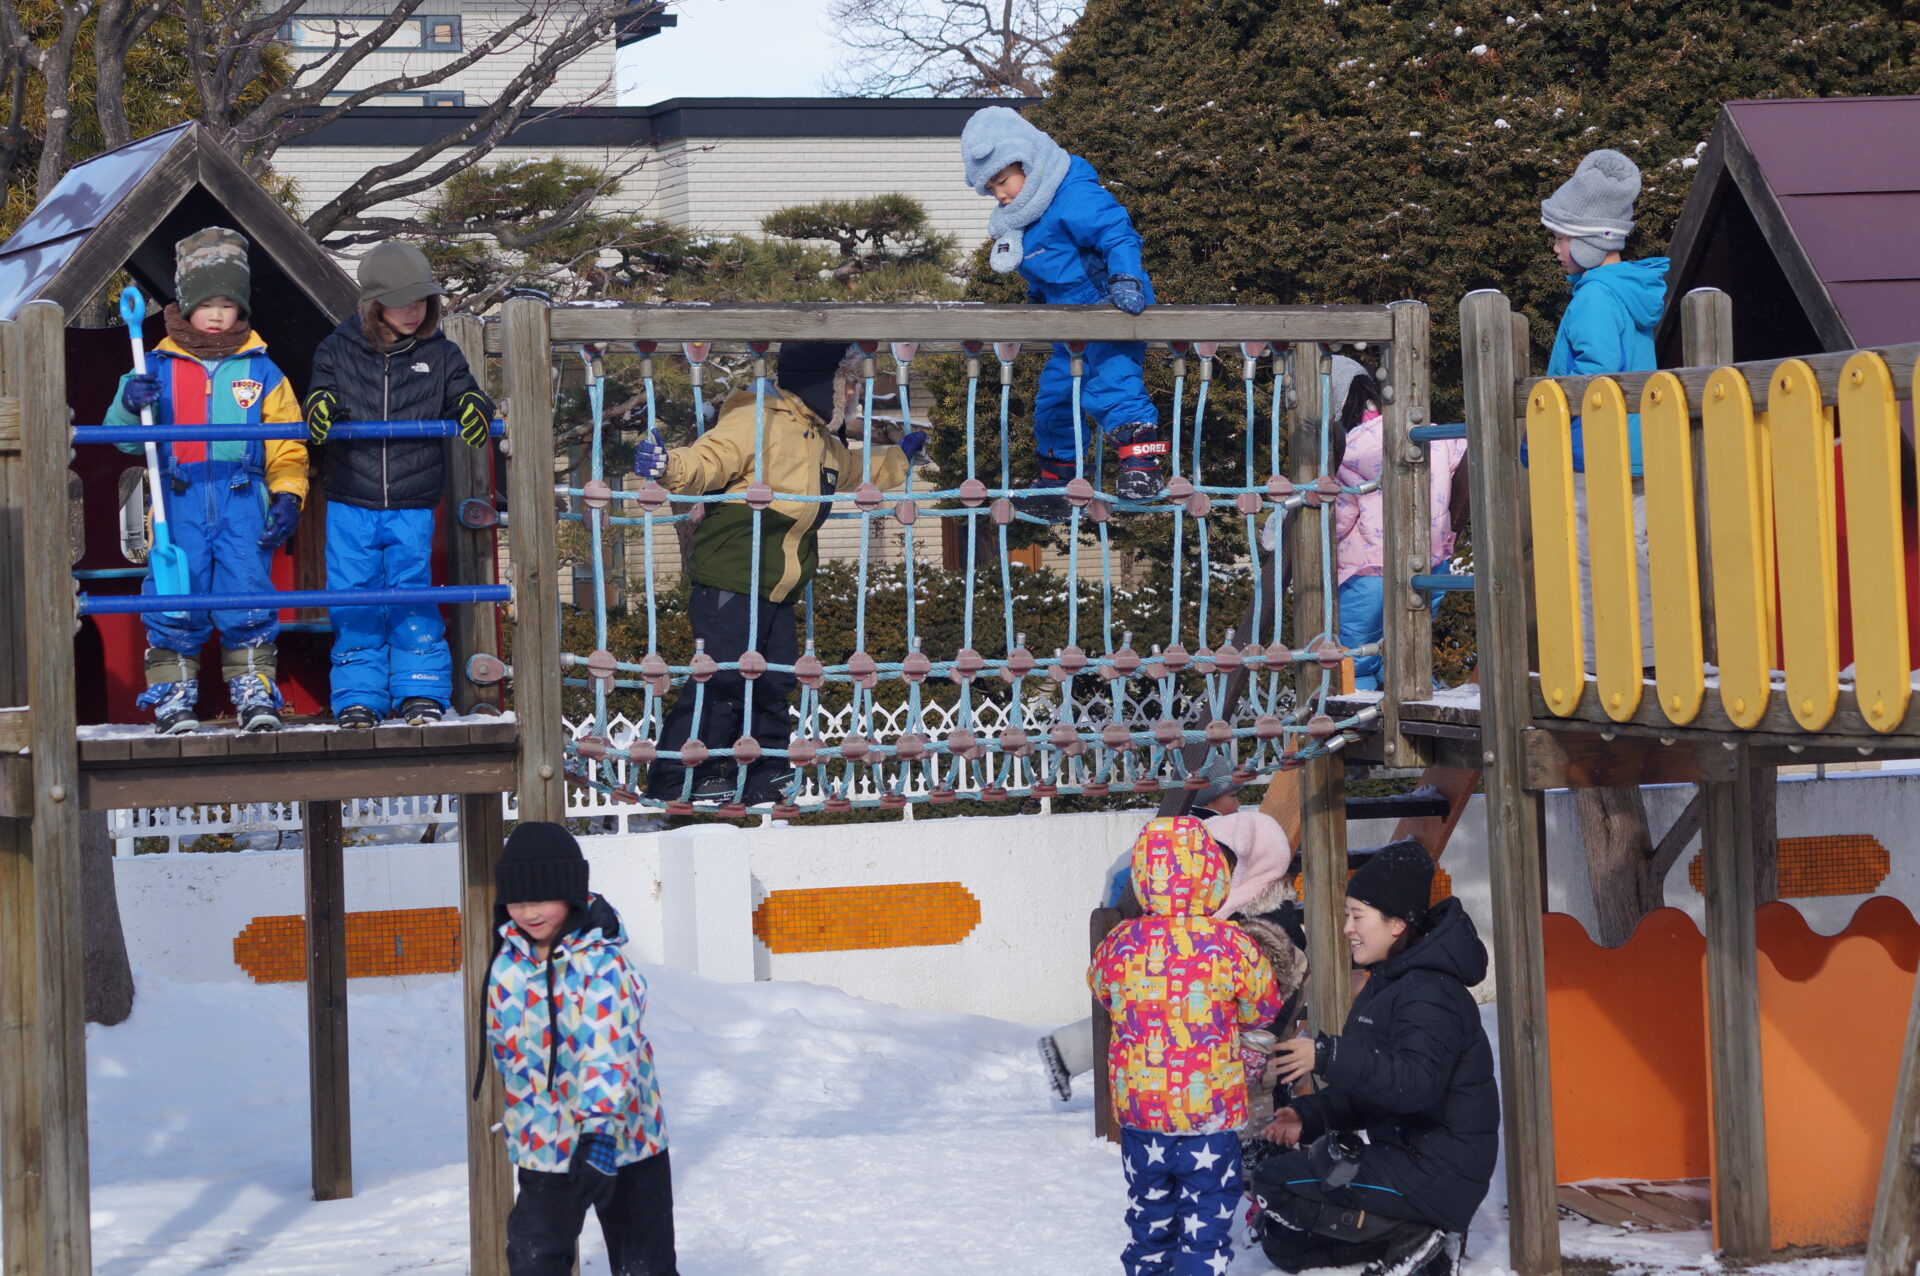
x=204 y=345
x=1046 y=168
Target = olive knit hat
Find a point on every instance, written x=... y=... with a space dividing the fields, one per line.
x=397 y=274
x=211 y=263
x=541 y=861
x=1397 y=879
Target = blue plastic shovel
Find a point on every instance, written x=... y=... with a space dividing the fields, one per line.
x=167 y=561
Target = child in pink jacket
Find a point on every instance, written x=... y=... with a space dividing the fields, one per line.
x=1357 y=519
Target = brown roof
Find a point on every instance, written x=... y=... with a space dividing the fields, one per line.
x=1832 y=188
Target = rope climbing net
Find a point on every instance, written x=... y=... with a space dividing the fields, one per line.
x=989 y=720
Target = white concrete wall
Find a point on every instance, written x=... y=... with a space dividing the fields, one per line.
x=322 y=172
x=688 y=896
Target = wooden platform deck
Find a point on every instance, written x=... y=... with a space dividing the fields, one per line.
x=296 y=764
x=1671 y=1205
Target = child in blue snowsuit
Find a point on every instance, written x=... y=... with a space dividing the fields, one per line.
x=230 y=504
x=1074 y=245
x=1608 y=328
x=389 y=363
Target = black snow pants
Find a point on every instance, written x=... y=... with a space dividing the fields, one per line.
x=543 y=1231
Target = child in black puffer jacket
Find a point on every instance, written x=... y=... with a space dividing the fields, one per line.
x=389 y=363
x=1393 y=1153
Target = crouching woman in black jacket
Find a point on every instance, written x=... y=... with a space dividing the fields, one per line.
x=1392 y=1154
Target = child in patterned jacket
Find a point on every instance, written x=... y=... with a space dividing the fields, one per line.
x=583 y=1121
x=1180 y=984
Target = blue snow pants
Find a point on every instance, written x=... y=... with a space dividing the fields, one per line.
x=217 y=523
x=384 y=655
x=1362 y=603
x=1113 y=392
x=1184 y=1190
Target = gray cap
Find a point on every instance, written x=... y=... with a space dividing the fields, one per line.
x=1594 y=207
x=1219 y=775
x=1344 y=372
x=397 y=274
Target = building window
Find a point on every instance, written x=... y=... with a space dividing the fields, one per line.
x=326 y=33
x=440 y=35
x=435 y=97
x=454 y=98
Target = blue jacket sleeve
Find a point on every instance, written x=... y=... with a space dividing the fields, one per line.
x=1098 y=221
x=1594 y=330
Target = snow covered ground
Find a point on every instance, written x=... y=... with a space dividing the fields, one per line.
x=812 y=1133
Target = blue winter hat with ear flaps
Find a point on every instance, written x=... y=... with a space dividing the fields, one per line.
x=1594 y=207
x=995 y=137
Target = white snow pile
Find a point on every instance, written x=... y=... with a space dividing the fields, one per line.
x=812 y=1133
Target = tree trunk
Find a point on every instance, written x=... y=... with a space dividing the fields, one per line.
x=1613 y=829
x=109 y=976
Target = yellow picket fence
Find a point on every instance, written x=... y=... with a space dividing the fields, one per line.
x=1768 y=523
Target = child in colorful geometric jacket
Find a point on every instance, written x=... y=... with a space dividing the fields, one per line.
x=1074 y=244
x=1180 y=984
x=229 y=504
x=583 y=1121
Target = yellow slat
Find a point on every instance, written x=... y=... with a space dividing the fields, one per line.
x=1876 y=558
x=1804 y=531
x=1556 y=579
x=1618 y=673
x=1735 y=518
x=1673 y=549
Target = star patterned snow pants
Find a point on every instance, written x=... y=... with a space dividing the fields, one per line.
x=1184 y=1191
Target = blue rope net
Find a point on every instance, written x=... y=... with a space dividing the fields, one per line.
x=1095 y=717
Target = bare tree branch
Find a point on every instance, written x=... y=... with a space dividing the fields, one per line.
x=16 y=62
x=901 y=48
x=118 y=26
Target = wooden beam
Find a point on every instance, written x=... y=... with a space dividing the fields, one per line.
x=271 y=779
x=1776 y=725
x=1894 y=1245
x=528 y=362
x=475 y=630
x=946 y=322
x=489 y=1174
x=1513 y=814
x=1705 y=195
x=1323 y=805
x=1741 y=1218
x=1587 y=759
x=48 y=625
x=1406 y=643
x=1706 y=341
x=329 y=1099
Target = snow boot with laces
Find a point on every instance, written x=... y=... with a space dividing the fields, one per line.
x=1140 y=449
x=256 y=701
x=173 y=705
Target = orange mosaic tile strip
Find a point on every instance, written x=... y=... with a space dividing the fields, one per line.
x=398 y=941
x=1844 y=864
x=840 y=918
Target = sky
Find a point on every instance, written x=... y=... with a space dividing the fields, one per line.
x=731 y=48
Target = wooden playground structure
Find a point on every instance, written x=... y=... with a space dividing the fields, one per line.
x=1719 y=532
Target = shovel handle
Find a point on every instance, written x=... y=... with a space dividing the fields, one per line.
x=133 y=310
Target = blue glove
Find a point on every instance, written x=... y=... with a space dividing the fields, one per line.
x=140 y=392
x=593 y=1173
x=282 y=517
x=1125 y=292
x=912 y=443
x=650 y=456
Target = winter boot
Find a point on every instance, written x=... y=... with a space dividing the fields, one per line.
x=716 y=787
x=1140 y=449
x=1051 y=507
x=357 y=717
x=173 y=705
x=1056 y=1068
x=1412 y=1248
x=257 y=702
x=767 y=784
x=419 y=711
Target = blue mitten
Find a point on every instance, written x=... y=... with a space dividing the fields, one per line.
x=1125 y=292
x=282 y=517
x=913 y=443
x=650 y=456
x=140 y=392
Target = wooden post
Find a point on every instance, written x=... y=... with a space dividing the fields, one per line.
x=1513 y=829
x=1894 y=1246
x=1099 y=923
x=1323 y=782
x=528 y=361
x=1406 y=654
x=1740 y=1201
x=329 y=1100
x=476 y=630
x=1706 y=341
x=489 y=1174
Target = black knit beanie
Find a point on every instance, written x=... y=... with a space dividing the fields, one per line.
x=541 y=861
x=807 y=368
x=1397 y=879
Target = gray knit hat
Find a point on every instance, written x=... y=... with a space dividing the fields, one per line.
x=211 y=263
x=397 y=274
x=1594 y=207
x=1344 y=372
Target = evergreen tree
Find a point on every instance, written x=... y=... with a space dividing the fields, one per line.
x=1327 y=151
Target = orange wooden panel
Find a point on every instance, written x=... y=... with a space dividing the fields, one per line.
x=1836 y=864
x=838 y=918
x=399 y=941
x=1628 y=1050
